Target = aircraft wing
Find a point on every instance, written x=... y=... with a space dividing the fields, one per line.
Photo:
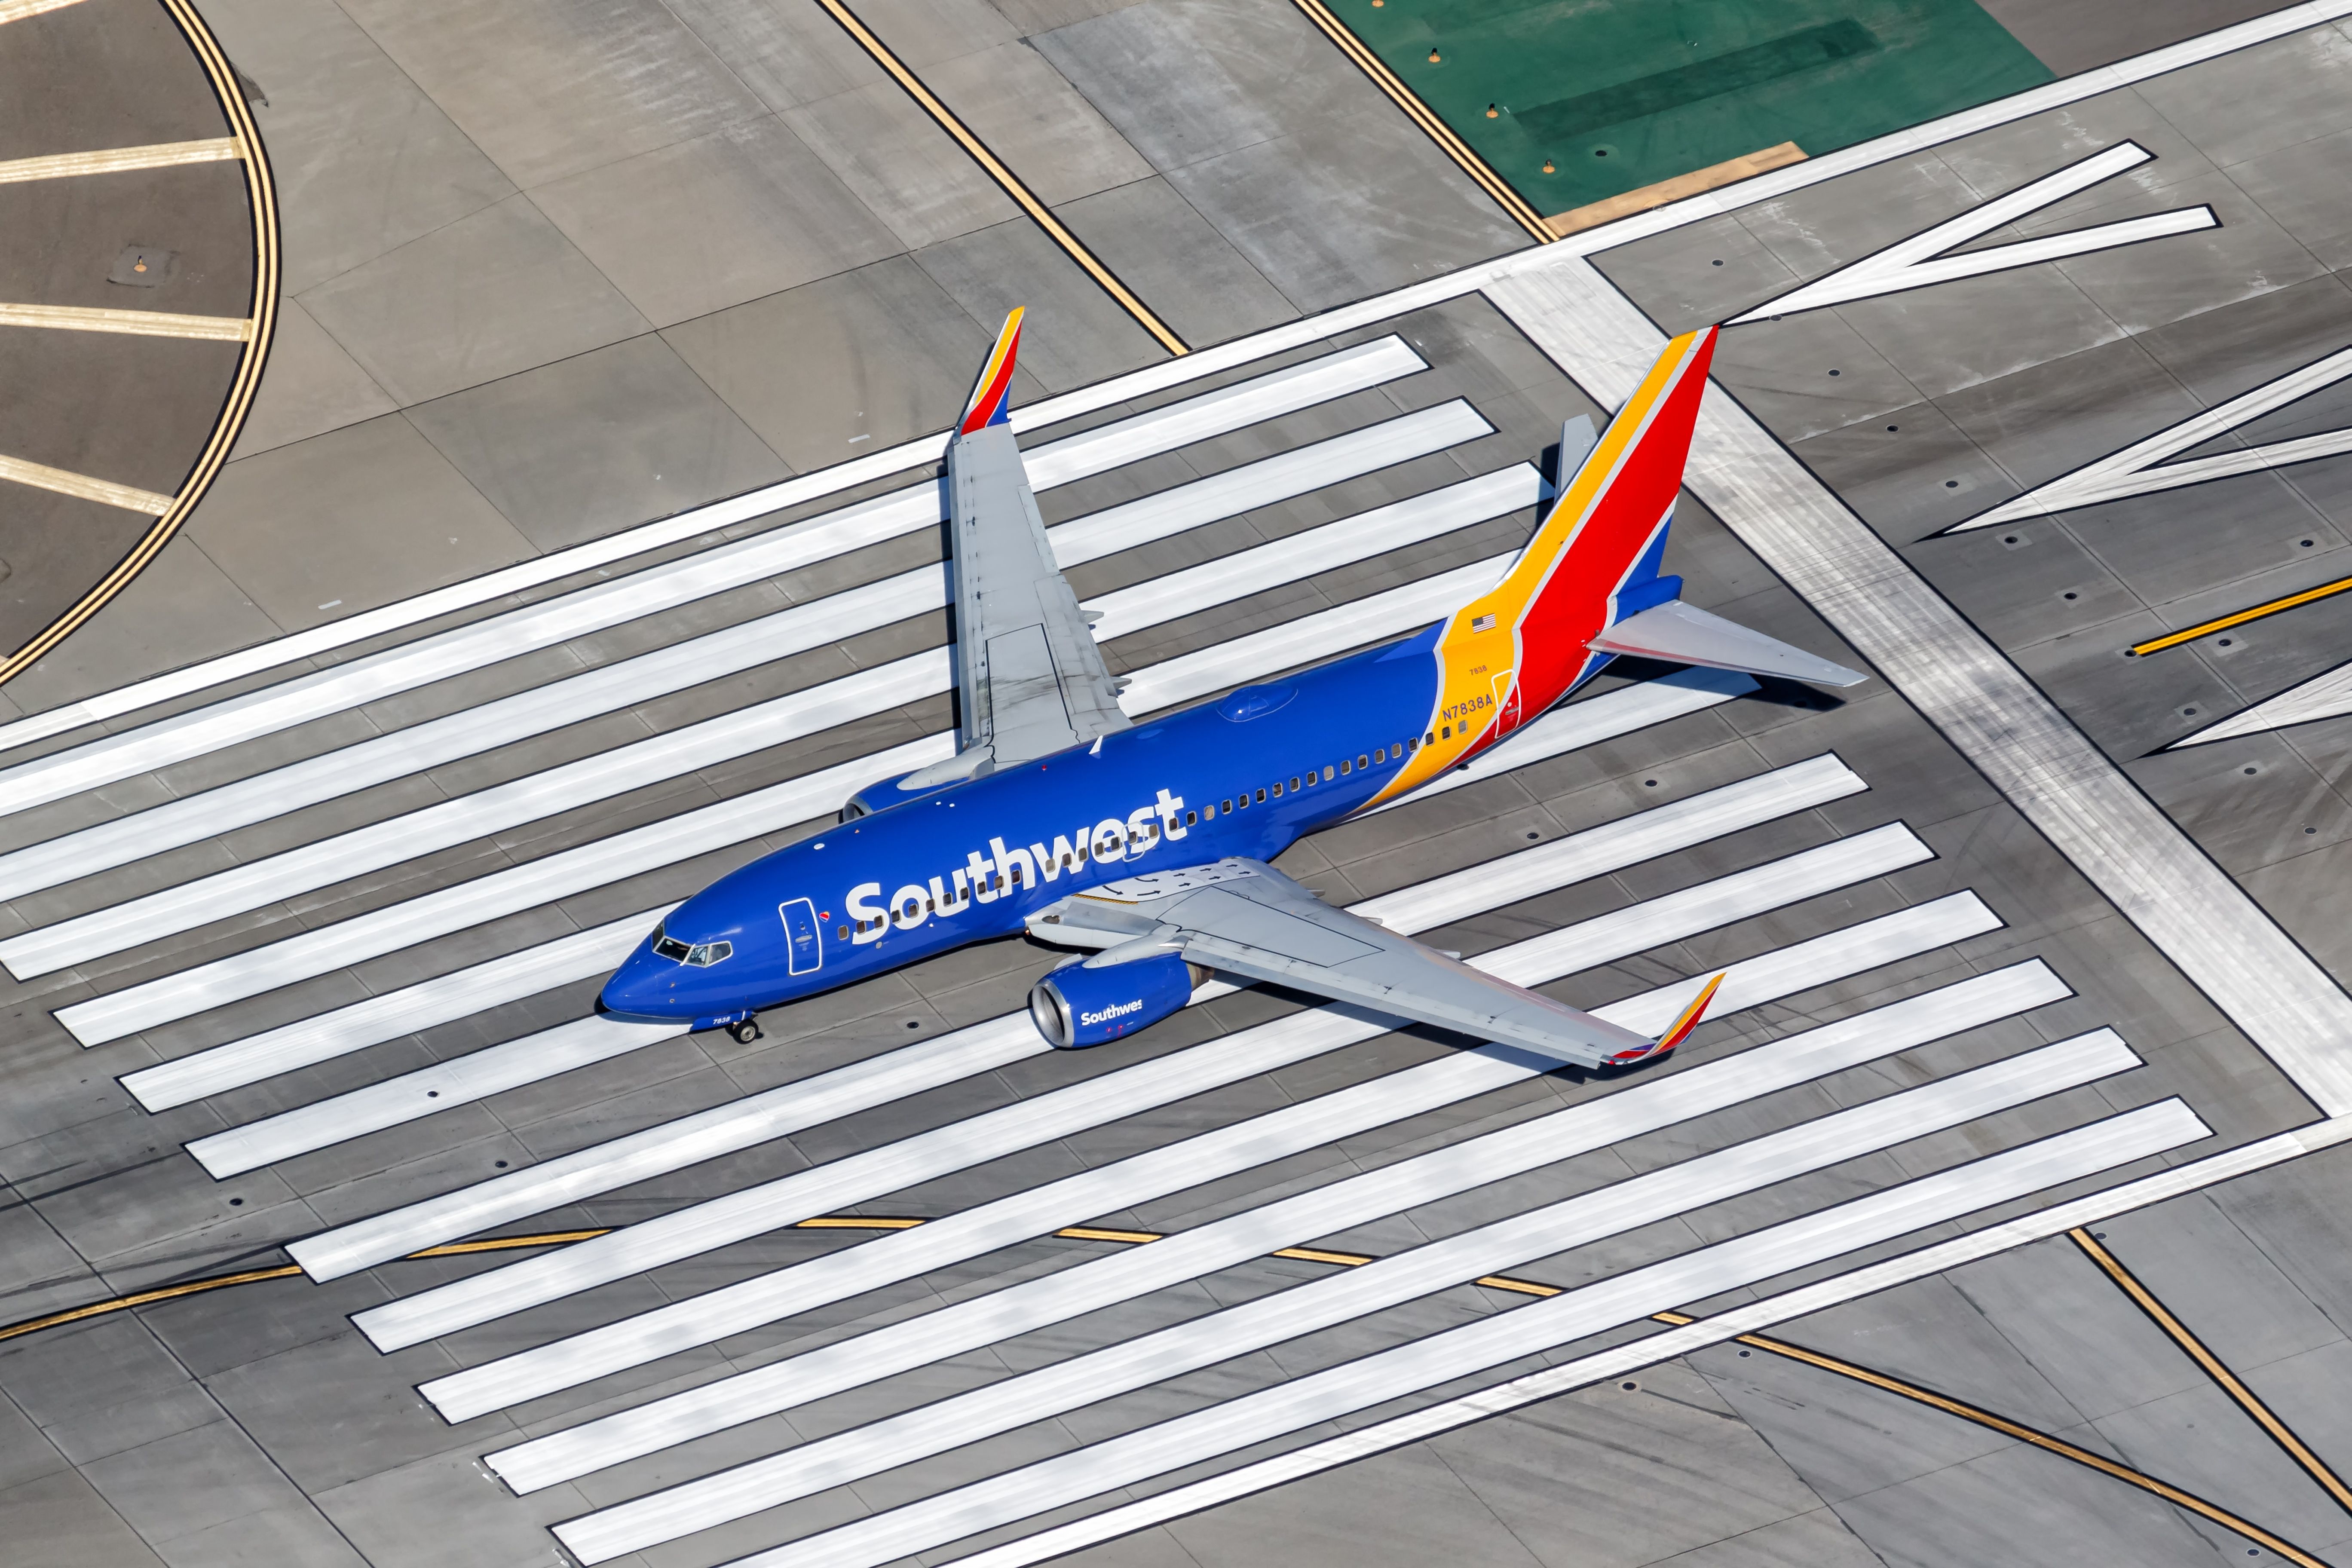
x=1029 y=677
x=1245 y=918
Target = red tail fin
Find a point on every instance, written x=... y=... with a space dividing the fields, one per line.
x=1507 y=656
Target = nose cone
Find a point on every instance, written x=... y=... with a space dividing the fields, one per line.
x=646 y=986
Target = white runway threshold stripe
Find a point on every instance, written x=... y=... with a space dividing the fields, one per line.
x=1209 y=1156
x=1751 y=1316
x=1659 y=830
x=972 y=1325
x=724 y=737
x=1198 y=1160
x=371 y=676
x=1535 y=1329
x=803 y=1288
x=328 y=948
x=356 y=1026
x=583 y=955
x=169 y=998
x=1204 y=1341
x=756 y=1210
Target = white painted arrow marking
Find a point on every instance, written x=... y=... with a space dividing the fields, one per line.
x=2325 y=696
x=1919 y=261
x=2141 y=469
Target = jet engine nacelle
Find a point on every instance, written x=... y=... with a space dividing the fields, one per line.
x=1076 y=1006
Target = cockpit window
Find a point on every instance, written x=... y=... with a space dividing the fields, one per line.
x=701 y=956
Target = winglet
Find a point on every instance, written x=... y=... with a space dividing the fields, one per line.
x=991 y=402
x=1675 y=1033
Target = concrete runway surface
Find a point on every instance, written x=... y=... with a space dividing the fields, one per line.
x=582 y=545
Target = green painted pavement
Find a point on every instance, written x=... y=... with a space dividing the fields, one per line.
x=1619 y=94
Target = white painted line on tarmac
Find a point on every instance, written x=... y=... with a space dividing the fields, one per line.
x=324 y=1036
x=972 y=1325
x=1299 y=472
x=1080 y=1381
x=2328 y=695
x=1311 y=550
x=195 y=990
x=1531 y=1329
x=657 y=1151
x=1920 y=260
x=1749 y=1318
x=755 y=1210
x=2145 y=468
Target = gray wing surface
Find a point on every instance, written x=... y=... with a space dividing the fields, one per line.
x=1247 y=919
x=1028 y=673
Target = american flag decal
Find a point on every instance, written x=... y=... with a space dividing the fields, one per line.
x=1483 y=624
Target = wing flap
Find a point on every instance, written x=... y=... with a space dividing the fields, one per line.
x=1247 y=919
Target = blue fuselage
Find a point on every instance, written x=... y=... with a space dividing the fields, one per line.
x=964 y=862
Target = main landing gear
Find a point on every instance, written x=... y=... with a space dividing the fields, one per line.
x=744 y=1030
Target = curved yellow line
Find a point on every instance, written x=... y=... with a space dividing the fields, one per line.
x=262 y=193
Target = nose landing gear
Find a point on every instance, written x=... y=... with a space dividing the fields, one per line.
x=745 y=1031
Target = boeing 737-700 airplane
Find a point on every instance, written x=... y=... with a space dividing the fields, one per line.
x=1059 y=816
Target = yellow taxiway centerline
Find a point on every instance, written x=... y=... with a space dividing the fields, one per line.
x=2207 y=628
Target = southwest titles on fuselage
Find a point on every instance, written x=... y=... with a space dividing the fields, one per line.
x=985 y=877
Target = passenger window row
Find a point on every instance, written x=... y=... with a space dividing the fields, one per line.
x=1307 y=780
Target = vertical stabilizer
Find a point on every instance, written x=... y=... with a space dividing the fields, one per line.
x=1509 y=655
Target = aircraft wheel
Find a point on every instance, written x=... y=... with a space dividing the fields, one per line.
x=745 y=1031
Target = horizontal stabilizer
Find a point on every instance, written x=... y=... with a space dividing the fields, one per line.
x=1684 y=634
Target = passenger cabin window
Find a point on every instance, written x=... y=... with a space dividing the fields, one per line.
x=1361 y=761
x=1278 y=788
x=1261 y=797
x=1327 y=773
x=1382 y=755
